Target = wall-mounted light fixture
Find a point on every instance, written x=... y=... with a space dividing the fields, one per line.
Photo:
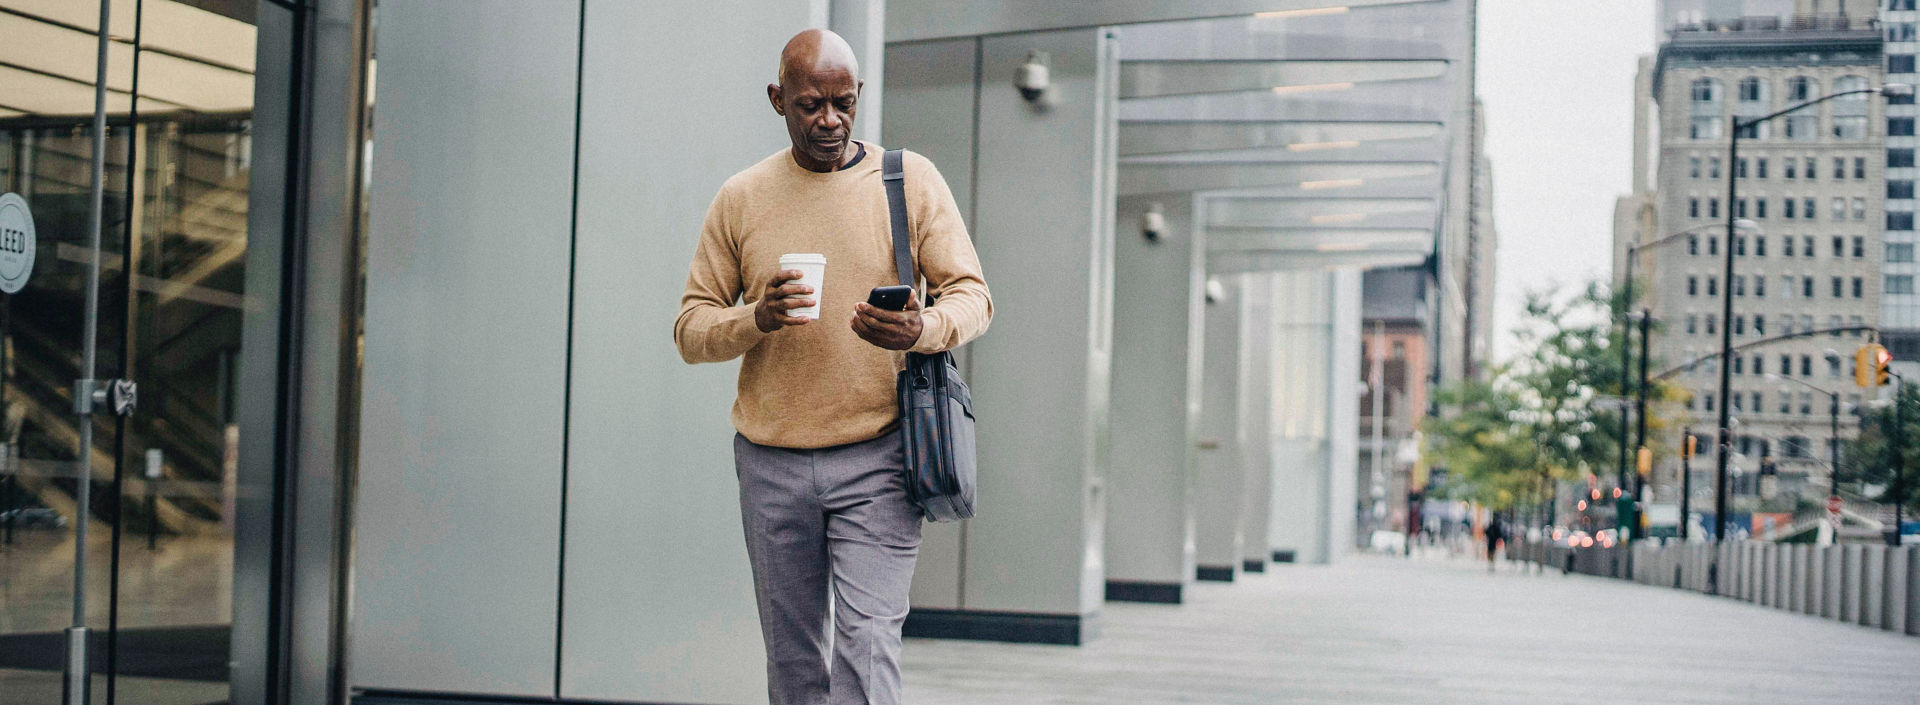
x=1216 y=291
x=1154 y=224
x=1032 y=78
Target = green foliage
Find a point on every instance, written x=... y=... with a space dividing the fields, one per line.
x=1868 y=457
x=1545 y=415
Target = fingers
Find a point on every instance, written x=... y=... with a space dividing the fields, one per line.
x=883 y=316
x=775 y=292
x=783 y=276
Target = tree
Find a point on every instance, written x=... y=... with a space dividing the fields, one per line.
x=1868 y=457
x=1543 y=417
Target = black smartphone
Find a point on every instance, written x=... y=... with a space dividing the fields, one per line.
x=891 y=298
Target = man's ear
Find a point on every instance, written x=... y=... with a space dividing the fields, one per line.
x=773 y=96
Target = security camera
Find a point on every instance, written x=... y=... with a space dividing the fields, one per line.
x=1216 y=291
x=1032 y=77
x=1154 y=223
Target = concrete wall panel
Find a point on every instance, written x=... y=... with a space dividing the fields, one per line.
x=458 y=513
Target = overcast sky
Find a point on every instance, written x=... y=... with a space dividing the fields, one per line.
x=1557 y=80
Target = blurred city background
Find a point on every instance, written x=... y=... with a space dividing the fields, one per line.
x=1370 y=351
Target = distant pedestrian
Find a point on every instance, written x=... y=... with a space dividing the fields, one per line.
x=1494 y=535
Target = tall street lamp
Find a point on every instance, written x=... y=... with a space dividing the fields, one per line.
x=1726 y=308
x=1632 y=258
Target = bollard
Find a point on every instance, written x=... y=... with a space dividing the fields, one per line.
x=1832 y=576
x=1873 y=569
x=1810 y=601
x=1774 y=581
x=1796 y=578
x=1850 y=560
x=1893 y=591
x=1913 y=590
x=1782 y=570
x=1763 y=577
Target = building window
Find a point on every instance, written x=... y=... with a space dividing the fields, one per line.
x=1806 y=292
x=1693 y=286
x=1799 y=89
x=1713 y=208
x=1786 y=364
x=1834 y=322
x=1806 y=365
x=1899 y=252
x=1739 y=285
x=1856 y=322
x=1786 y=290
x=1839 y=168
x=1850 y=127
x=1802 y=128
x=1760 y=211
x=1704 y=128
x=1739 y=365
x=1713 y=245
x=1693 y=324
x=1806 y=211
x=1839 y=245
x=1787 y=211
x=1740 y=209
x=1859 y=167
x=1759 y=328
x=1693 y=208
x=1806 y=322
x=1760 y=168
x=1740 y=168
x=1693 y=167
x=1760 y=243
x=1900 y=4
x=1786 y=243
x=1711 y=320
x=1713 y=286
x=1791 y=163
x=1899 y=283
x=1786 y=402
x=1713 y=167
x=1753 y=90
x=1859 y=247
x=1839 y=212
x=1693 y=241
x=1899 y=189
x=1900 y=127
x=1839 y=287
x=1760 y=286
x=1857 y=289
x=1899 y=63
x=1806 y=403
x=1898 y=31
x=1899 y=220
x=1810 y=173
x=1899 y=158
x=1859 y=208
x=1709 y=401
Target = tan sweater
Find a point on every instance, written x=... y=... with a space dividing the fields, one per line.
x=819 y=384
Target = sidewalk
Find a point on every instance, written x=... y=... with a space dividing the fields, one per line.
x=1431 y=631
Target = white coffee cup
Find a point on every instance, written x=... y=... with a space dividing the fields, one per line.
x=813 y=273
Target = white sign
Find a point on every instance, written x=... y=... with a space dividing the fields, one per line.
x=155 y=463
x=16 y=243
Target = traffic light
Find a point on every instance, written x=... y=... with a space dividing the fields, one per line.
x=1643 y=461
x=1692 y=446
x=1870 y=365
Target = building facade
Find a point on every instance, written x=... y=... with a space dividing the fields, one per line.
x=1899 y=306
x=1812 y=182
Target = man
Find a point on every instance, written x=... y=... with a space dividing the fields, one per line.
x=822 y=490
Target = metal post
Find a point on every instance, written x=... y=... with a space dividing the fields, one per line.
x=1626 y=343
x=1686 y=483
x=1725 y=445
x=1640 y=435
x=77 y=678
x=1377 y=379
x=1896 y=438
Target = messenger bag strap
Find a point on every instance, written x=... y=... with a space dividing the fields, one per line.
x=893 y=174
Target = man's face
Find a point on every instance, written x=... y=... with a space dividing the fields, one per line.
x=819 y=106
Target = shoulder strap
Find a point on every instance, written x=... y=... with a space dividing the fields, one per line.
x=894 y=176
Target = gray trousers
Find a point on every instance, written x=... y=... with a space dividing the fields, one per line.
x=830 y=524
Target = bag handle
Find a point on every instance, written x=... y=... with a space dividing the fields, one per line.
x=893 y=174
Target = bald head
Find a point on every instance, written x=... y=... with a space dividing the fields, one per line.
x=816 y=50
x=817 y=94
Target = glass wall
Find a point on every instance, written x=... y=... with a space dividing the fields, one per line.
x=159 y=581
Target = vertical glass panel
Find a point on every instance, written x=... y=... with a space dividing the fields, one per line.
x=173 y=235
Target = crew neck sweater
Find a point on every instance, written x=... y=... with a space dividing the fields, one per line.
x=820 y=385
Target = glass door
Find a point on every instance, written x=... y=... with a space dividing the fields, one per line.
x=159 y=583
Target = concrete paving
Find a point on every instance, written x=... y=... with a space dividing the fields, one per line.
x=1431 y=631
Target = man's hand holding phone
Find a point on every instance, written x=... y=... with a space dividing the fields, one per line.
x=891 y=329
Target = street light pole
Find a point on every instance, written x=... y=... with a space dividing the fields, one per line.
x=1896 y=439
x=1686 y=482
x=1640 y=435
x=1725 y=444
